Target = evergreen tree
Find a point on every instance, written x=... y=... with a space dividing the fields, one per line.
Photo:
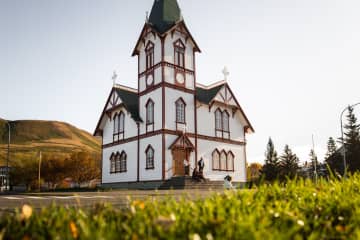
x=352 y=141
x=334 y=158
x=289 y=164
x=271 y=168
x=331 y=148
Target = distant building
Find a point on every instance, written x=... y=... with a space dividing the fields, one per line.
x=150 y=133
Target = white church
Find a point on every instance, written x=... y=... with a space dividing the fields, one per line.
x=149 y=133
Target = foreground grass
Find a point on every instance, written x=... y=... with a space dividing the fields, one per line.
x=299 y=210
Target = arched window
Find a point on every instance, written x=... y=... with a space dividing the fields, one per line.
x=149 y=157
x=179 y=53
x=225 y=121
x=223 y=160
x=218 y=120
x=121 y=122
x=230 y=161
x=216 y=160
x=150 y=112
x=123 y=162
x=149 y=50
x=112 y=163
x=116 y=124
x=180 y=111
x=117 y=162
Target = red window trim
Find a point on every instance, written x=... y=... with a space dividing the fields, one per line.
x=150 y=125
x=152 y=165
x=176 y=112
x=149 y=52
x=179 y=52
x=221 y=129
x=118 y=163
x=120 y=134
x=227 y=169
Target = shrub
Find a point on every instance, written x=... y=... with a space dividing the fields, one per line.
x=298 y=210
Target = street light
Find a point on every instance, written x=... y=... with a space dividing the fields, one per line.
x=342 y=135
x=8 y=159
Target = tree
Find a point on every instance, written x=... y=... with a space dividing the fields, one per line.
x=25 y=172
x=271 y=168
x=254 y=171
x=352 y=141
x=333 y=157
x=84 y=167
x=54 y=169
x=289 y=164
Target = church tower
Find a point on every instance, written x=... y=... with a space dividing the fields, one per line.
x=167 y=82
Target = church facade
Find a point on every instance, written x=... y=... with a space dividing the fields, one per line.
x=149 y=133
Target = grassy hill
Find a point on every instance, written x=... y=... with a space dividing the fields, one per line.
x=28 y=137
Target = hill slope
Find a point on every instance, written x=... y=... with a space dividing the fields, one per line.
x=28 y=137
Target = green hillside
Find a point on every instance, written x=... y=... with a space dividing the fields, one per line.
x=28 y=137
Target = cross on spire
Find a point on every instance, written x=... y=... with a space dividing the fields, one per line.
x=114 y=77
x=226 y=73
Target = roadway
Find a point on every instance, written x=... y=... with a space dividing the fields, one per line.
x=88 y=199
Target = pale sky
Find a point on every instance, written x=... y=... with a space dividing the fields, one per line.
x=294 y=64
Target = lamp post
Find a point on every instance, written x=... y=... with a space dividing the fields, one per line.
x=8 y=158
x=342 y=135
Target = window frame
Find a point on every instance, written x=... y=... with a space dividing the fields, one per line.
x=150 y=117
x=178 y=103
x=222 y=124
x=179 y=53
x=232 y=169
x=123 y=162
x=149 y=55
x=150 y=163
x=217 y=161
x=112 y=163
x=119 y=126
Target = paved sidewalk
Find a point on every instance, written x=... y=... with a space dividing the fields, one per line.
x=86 y=199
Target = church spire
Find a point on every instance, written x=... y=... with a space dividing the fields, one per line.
x=164 y=14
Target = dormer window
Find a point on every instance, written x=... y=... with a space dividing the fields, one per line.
x=179 y=53
x=149 y=50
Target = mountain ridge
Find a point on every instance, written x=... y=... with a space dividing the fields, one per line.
x=29 y=137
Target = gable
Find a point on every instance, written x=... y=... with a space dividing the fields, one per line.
x=120 y=96
x=225 y=96
x=114 y=101
x=179 y=27
x=221 y=94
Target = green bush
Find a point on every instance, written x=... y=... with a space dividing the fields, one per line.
x=298 y=210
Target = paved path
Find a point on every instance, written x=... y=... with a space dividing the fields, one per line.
x=116 y=198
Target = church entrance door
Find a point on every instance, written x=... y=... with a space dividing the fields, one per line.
x=178 y=161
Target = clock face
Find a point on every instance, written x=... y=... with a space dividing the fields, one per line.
x=149 y=80
x=180 y=78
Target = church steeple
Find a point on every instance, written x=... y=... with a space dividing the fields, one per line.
x=164 y=15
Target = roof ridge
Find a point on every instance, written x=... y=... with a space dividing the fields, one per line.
x=126 y=88
x=216 y=84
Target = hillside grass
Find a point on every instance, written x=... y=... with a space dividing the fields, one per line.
x=28 y=137
x=298 y=210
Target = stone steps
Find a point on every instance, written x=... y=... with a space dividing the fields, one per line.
x=188 y=183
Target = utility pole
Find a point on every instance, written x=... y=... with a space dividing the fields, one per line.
x=8 y=159
x=40 y=172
